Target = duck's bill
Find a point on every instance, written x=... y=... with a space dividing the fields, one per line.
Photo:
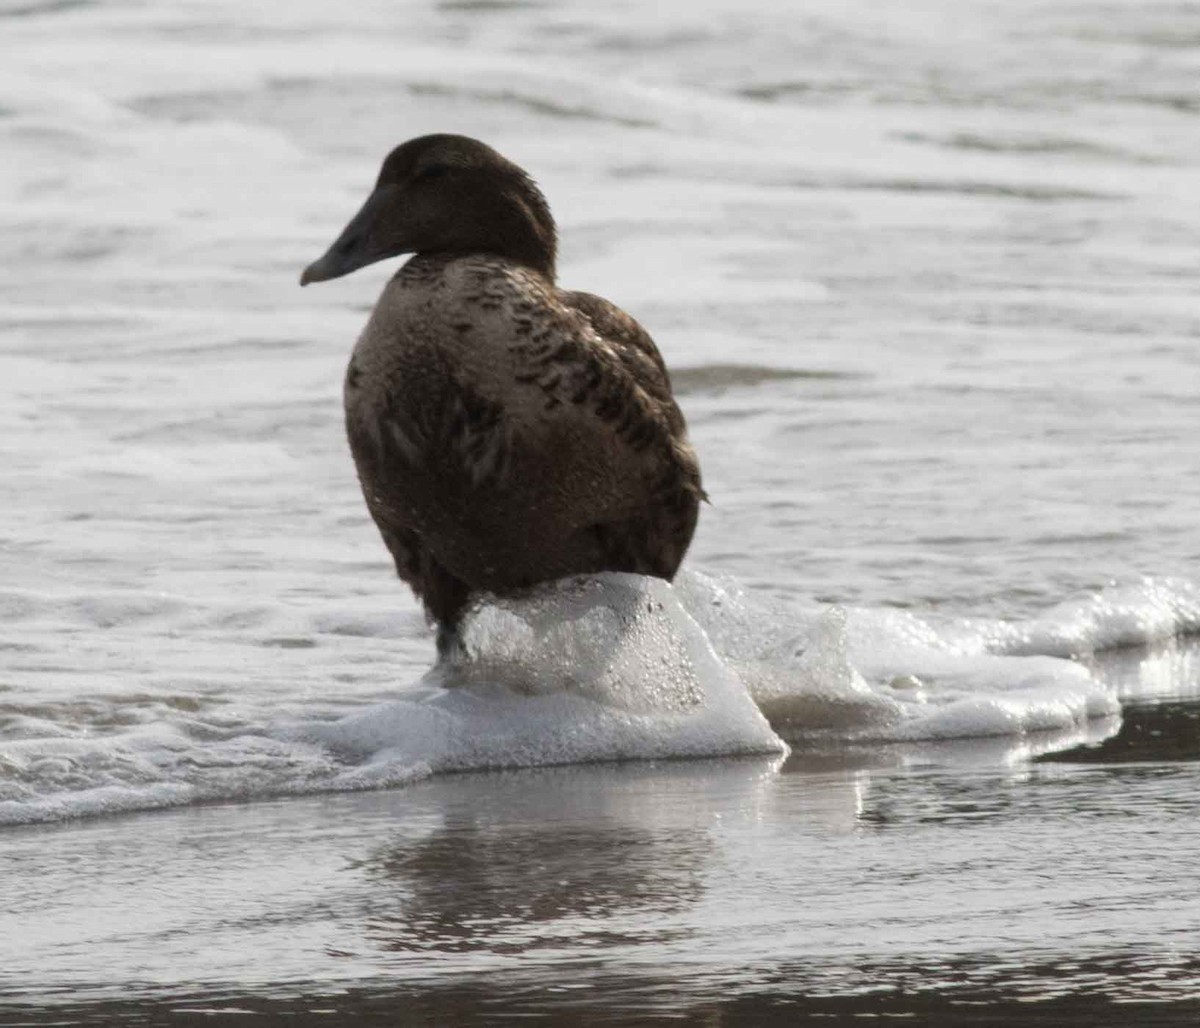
x=323 y=269
x=355 y=248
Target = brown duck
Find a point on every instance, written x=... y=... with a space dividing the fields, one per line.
x=506 y=432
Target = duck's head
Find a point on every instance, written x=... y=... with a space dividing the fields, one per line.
x=445 y=194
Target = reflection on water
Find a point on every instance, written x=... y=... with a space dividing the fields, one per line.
x=507 y=889
x=1169 y=668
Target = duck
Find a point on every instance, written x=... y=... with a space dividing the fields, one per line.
x=506 y=432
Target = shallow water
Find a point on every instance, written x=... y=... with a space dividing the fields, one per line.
x=926 y=279
x=918 y=881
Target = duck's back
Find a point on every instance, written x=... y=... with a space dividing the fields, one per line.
x=506 y=433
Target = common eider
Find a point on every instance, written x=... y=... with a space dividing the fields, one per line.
x=506 y=432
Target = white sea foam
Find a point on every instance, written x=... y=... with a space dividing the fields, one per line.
x=589 y=669
x=889 y=674
x=595 y=669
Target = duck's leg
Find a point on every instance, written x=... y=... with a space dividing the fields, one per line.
x=449 y=644
x=445 y=598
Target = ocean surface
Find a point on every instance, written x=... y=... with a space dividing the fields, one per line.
x=915 y=733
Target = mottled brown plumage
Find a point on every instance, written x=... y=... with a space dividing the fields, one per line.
x=505 y=431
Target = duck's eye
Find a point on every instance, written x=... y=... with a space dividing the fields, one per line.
x=436 y=170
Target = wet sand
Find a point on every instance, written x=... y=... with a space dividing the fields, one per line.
x=618 y=1005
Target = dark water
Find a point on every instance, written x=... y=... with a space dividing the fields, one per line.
x=971 y=1001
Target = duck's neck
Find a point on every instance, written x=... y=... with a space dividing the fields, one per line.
x=522 y=230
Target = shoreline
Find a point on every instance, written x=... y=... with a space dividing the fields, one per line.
x=615 y=1004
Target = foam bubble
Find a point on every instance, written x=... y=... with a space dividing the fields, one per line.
x=612 y=667
x=887 y=675
x=1123 y=614
x=607 y=668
